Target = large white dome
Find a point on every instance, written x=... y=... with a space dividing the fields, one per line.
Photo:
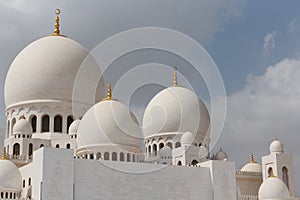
x=273 y=189
x=46 y=70
x=10 y=176
x=176 y=109
x=109 y=122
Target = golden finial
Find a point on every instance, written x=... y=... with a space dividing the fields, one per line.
x=56 y=26
x=109 y=91
x=3 y=154
x=252 y=159
x=22 y=117
x=109 y=96
x=175 y=77
x=272 y=174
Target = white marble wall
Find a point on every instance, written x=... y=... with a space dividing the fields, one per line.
x=223 y=179
x=57 y=175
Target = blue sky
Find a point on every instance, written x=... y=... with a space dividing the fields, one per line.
x=255 y=44
x=238 y=47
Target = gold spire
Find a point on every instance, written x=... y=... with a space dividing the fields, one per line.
x=109 y=96
x=272 y=174
x=56 y=26
x=22 y=117
x=175 y=77
x=252 y=159
x=3 y=154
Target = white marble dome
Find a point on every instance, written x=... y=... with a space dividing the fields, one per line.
x=203 y=152
x=176 y=109
x=221 y=155
x=187 y=138
x=10 y=176
x=109 y=122
x=165 y=151
x=22 y=127
x=273 y=189
x=46 y=69
x=73 y=129
x=252 y=167
x=276 y=147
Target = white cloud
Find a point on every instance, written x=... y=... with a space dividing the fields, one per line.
x=292 y=25
x=269 y=105
x=267 y=108
x=269 y=43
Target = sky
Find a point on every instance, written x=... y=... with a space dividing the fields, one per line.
x=255 y=45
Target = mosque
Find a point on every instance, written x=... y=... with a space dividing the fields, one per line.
x=100 y=151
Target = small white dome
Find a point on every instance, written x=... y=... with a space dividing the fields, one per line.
x=74 y=127
x=109 y=122
x=203 y=152
x=273 y=189
x=47 y=69
x=176 y=109
x=187 y=138
x=276 y=147
x=10 y=176
x=165 y=151
x=221 y=155
x=22 y=127
x=252 y=166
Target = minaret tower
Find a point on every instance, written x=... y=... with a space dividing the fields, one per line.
x=280 y=165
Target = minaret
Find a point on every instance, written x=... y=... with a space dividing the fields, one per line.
x=280 y=165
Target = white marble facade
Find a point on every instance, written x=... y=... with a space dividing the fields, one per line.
x=58 y=148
